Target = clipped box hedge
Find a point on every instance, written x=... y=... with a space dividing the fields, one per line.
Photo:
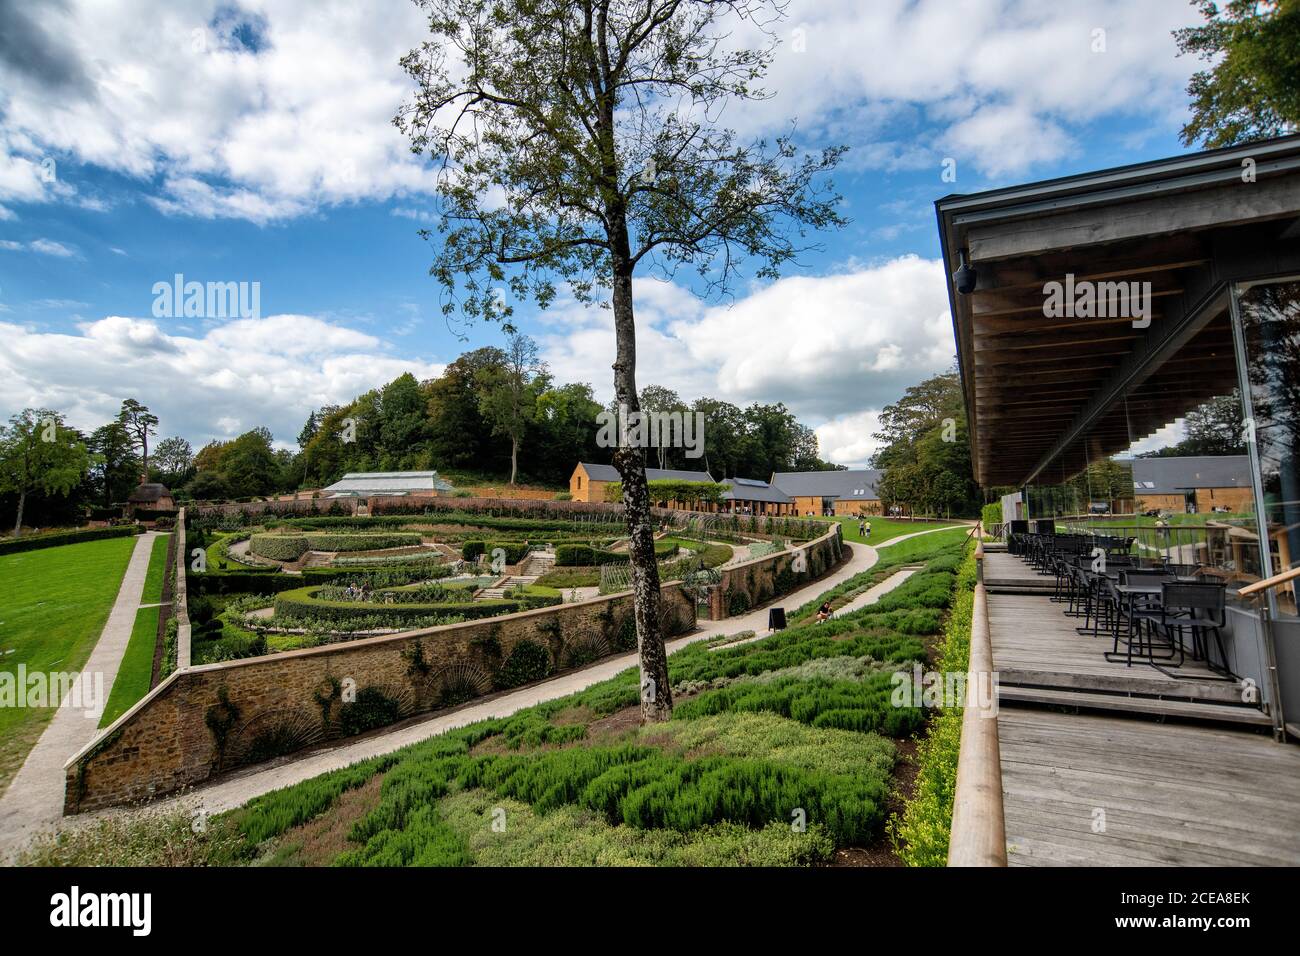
x=582 y=555
x=515 y=551
x=324 y=541
x=301 y=604
x=54 y=539
x=249 y=581
x=280 y=547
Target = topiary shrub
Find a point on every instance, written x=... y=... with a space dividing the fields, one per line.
x=528 y=662
x=737 y=602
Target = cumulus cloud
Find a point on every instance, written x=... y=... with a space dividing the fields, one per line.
x=836 y=349
x=847 y=440
x=255 y=110
x=272 y=371
x=269 y=109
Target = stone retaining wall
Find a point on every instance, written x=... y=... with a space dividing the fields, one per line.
x=209 y=719
x=762 y=579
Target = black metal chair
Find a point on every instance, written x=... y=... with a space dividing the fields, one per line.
x=1144 y=615
x=1201 y=608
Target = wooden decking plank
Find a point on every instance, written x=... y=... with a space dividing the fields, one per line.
x=1173 y=794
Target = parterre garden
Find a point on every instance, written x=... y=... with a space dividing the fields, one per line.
x=266 y=584
x=781 y=751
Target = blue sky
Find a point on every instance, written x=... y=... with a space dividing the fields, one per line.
x=252 y=143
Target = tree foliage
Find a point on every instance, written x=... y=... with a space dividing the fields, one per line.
x=1253 y=89
x=925 y=449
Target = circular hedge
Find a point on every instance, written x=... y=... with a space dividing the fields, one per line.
x=279 y=547
x=291 y=547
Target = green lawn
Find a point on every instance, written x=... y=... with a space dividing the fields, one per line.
x=56 y=603
x=133 y=676
x=884 y=529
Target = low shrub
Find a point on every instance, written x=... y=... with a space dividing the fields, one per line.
x=921 y=832
x=55 y=538
x=515 y=551
x=528 y=662
x=372 y=708
x=861 y=705
x=323 y=606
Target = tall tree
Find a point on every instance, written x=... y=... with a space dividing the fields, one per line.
x=402 y=420
x=578 y=140
x=508 y=393
x=658 y=399
x=38 y=453
x=114 y=469
x=140 y=423
x=174 y=460
x=1253 y=89
x=458 y=435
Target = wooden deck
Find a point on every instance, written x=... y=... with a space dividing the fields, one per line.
x=1084 y=790
x=1104 y=764
x=1004 y=571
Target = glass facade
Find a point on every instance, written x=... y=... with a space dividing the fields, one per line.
x=1267 y=314
x=1212 y=428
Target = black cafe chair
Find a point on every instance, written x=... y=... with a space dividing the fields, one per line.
x=1201 y=608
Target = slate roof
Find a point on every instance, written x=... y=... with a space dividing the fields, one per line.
x=365 y=483
x=610 y=473
x=852 y=485
x=1171 y=476
x=751 y=489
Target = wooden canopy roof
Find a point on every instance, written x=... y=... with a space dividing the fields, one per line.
x=1046 y=395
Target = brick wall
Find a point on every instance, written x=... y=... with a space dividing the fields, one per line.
x=265 y=706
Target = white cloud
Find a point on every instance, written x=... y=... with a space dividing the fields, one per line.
x=835 y=348
x=272 y=371
x=847 y=440
x=1019 y=68
x=49 y=247
x=302 y=118
x=46 y=247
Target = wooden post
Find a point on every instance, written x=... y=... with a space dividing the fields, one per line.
x=978 y=836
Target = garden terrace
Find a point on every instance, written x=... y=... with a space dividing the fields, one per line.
x=209 y=718
x=797 y=728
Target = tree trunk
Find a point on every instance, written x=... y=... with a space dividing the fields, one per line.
x=18 y=525
x=656 y=692
x=514 y=458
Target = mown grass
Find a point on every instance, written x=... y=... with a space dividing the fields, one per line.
x=135 y=672
x=56 y=602
x=883 y=529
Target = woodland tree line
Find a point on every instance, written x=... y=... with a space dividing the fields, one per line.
x=494 y=413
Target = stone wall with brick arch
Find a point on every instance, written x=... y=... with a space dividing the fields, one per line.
x=210 y=719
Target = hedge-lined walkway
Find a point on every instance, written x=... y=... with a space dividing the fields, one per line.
x=239 y=787
x=35 y=797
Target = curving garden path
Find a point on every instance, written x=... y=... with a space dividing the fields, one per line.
x=238 y=787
